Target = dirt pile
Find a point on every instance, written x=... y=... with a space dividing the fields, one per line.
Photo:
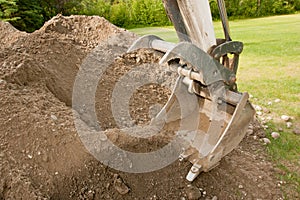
x=53 y=54
x=41 y=154
x=85 y=31
x=8 y=34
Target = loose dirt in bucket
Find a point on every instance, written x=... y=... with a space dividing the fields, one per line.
x=41 y=154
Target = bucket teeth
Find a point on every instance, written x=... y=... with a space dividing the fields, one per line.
x=194 y=172
x=187 y=153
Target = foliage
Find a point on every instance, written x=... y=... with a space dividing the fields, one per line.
x=126 y=13
x=31 y=14
x=148 y=13
x=7 y=10
x=214 y=9
x=259 y=8
x=91 y=7
x=119 y=14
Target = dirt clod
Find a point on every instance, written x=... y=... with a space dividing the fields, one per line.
x=120 y=186
x=289 y=124
x=193 y=193
x=296 y=131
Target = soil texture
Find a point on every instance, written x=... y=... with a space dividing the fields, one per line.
x=42 y=155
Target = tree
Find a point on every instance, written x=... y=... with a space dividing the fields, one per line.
x=30 y=14
x=7 y=10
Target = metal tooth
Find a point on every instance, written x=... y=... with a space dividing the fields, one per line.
x=194 y=172
x=181 y=158
x=186 y=153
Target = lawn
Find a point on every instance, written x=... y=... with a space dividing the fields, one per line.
x=269 y=69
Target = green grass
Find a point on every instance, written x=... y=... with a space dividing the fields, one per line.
x=269 y=69
x=166 y=33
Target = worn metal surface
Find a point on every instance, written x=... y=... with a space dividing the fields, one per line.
x=204 y=64
x=230 y=47
x=233 y=47
x=176 y=18
x=224 y=19
x=211 y=69
x=192 y=21
x=213 y=115
x=151 y=41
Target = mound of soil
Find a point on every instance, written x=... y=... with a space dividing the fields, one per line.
x=8 y=34
x=41 y=154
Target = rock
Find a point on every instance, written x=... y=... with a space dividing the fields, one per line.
x=296 y=131
x=214 y=198
x=259 y=113
x=275 y=135
x=257 y=108
x=277 y=100
x=261 y=134
x=250 y=126
x=280 y=129
x=90 y=195
x=265 y=127
x=120 y=186
x=244 y=193
x=266 y=141
x=241 y=186
x=289 y=124
x=266 y=110
x=269 y=118
x=249 y=132
x=45 y=157
x=292 y=118
x=155 y=197
x=285 y=118
x=193 y=193
x=270 y=103
x=53 y=117
x=262 y=119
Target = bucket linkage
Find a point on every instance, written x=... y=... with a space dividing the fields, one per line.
x=214 y=115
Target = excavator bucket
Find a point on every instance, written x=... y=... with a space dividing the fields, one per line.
x=213 y=115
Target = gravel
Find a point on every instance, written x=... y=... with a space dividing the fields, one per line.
x=53 y=117
x=266 y=141
x=277 y=100
x=289 y=124
x=285 y=118
x=120 y=186
x=275 y=135
x=296 y=131
x=193 y=193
